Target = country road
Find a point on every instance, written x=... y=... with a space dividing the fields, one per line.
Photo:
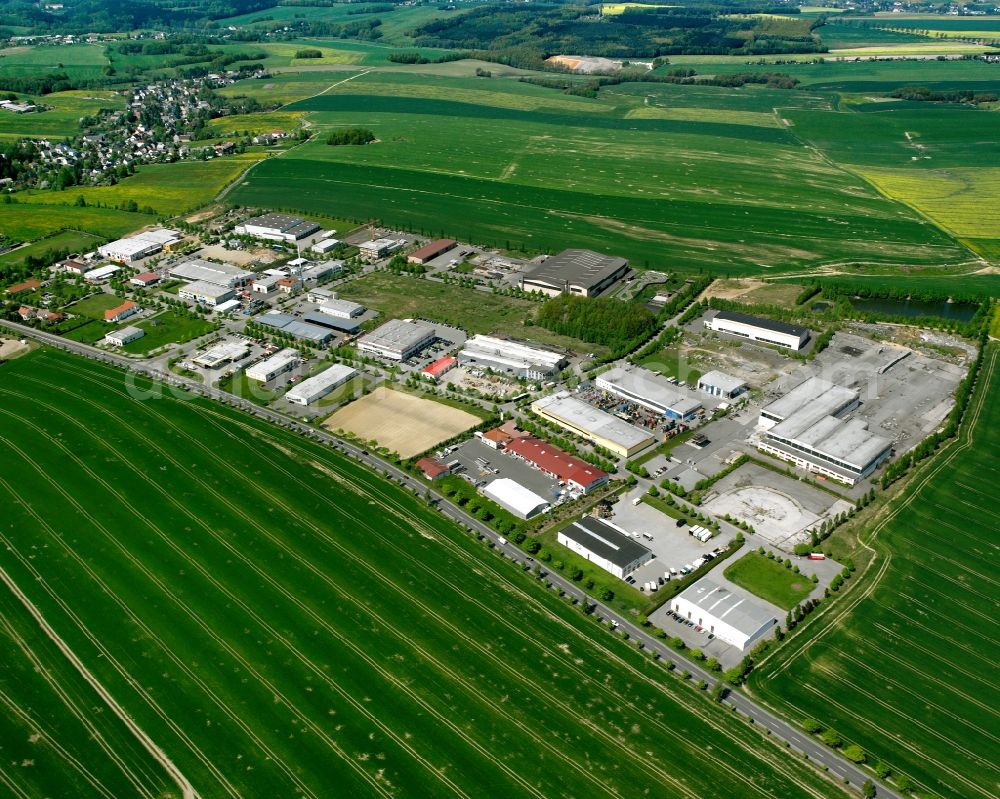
x=839 y=767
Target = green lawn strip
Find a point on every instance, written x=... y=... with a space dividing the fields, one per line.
x=770 y=580
x=168 y=327
x=95 y=305
x=245 y=388
x=320 y=537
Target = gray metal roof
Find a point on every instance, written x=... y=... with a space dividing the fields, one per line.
x=736 y=608
x=758 y=321
x=333 y=322
x=816 y=396
x=605 y=541
x=650 y=387
x=721 y=381
x=584 y=268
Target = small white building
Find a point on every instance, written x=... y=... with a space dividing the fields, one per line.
x=318 y=386
x=342 y=309
x=605 y=545
x=279 y=363
x=719 y=384
x=515 y=498
x=120 y=338
x=221 y=354
x=731 y=614
x=323 y=247
x=321 y=295
x=266 y=285
x=102 y=273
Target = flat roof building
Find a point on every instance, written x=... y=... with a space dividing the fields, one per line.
x=431 y=251
x=343 y=309
x=593 y=424
x=501 y=355
x=206 y=293
x=278 y=227
x=605 y=545
x=719 y=384
x=515 y=498
x=266 y=284
x=279 y=363
x=321 y=295
x=122 y=337
x=650 y=390
x=583 y=272
x=805 y=427
x=349 y=326
x=220 y=354
x=377 y=249
x=318 y=386
x=289 y=324
x=574 y=472
x=756 y=328
x=144 y=279
x=325 y=245
x=128 y=250
x=101 y=273
x=199 y=270
x=731 y=614
x=398 y=339
x=322 y=269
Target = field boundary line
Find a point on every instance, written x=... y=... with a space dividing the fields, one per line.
x=320 y=94
x=187 y=789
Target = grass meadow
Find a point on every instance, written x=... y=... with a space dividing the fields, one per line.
x=25 y=221
x=281 y=621
x=769 y=580
x=905 y=665
x=63 y=118
x=637 y=172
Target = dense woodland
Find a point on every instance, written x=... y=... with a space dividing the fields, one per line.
x=601 y=320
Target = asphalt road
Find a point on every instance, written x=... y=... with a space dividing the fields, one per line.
x=839 y=767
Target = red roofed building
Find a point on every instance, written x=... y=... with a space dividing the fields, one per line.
x=438 y=368
x=574 y=472
x=26 y=312
x=123 y=311
x=430 y=251
x=28 y=285
x=145 y=279
x=500 y=437
x=432 y=468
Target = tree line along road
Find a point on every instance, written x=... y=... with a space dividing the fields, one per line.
x=837 y=766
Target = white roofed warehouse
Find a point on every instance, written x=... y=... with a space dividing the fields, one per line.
x=198 y=270
x=515 y=498
x=650 y=390
x=806 y=427
x=582 y=272
x=279 y=363
x=757 y=328
x=731 y=614
x=593 y=424
x=398 y=339
x=501 y=355
x=605 y=545
x=206 y=293
x=719 y=384
x=318 y=386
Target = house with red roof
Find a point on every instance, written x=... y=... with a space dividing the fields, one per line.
x=432 y=468
x=568 y=469
x=31 y=284
x=435 y=370
x=123 y=311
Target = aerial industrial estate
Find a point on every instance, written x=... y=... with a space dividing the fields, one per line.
x=395 y=405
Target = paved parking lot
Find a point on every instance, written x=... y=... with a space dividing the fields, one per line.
x=483 y=463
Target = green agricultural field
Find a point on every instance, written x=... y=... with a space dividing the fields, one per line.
x=69 y=240
x=635 y=172
x=905 y=665
x=255 y=123
x=63 y=118
x=769 y=580
x=167 y=188
x=472 y=310
x=78 y=61
x=27 y=222
x=280 y=621
x=166 y=328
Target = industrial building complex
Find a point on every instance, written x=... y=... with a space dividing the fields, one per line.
x=755 y=328
x=139 y=246
x=650 y=390
x=501 y=355
x=582 y=272
x=197 y=270
x=318 y=386
x=278 y=227
x=398 y=339
x=279 y=363
x=593 y=424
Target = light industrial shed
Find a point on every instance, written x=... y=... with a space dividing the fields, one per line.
x=514 y=497
x=279 y=363
x=605 y=545
x=398 y=339
x=318 y=386
x=650 y=390
x=757 y=328
x=593 y=424
x=732 y=615
x=582 y=272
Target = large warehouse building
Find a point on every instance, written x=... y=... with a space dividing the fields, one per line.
x=139 y=246
x=318 y=386
x=731 y=614
x=342 y=309
x=278 y=227
x=582 y=272
x=511 y=357
x=515 y=498
x=806 y=427
x=398 y=339
x=197 y=270
x=205 y=293
x=575 y=473
x=279 y=363
x=605 y=545
x=593 y=424
x=276 y=320
x=650 y=390
x=756 y=328
x=431 y=251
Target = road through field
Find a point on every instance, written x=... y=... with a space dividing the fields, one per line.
x=838 y=767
